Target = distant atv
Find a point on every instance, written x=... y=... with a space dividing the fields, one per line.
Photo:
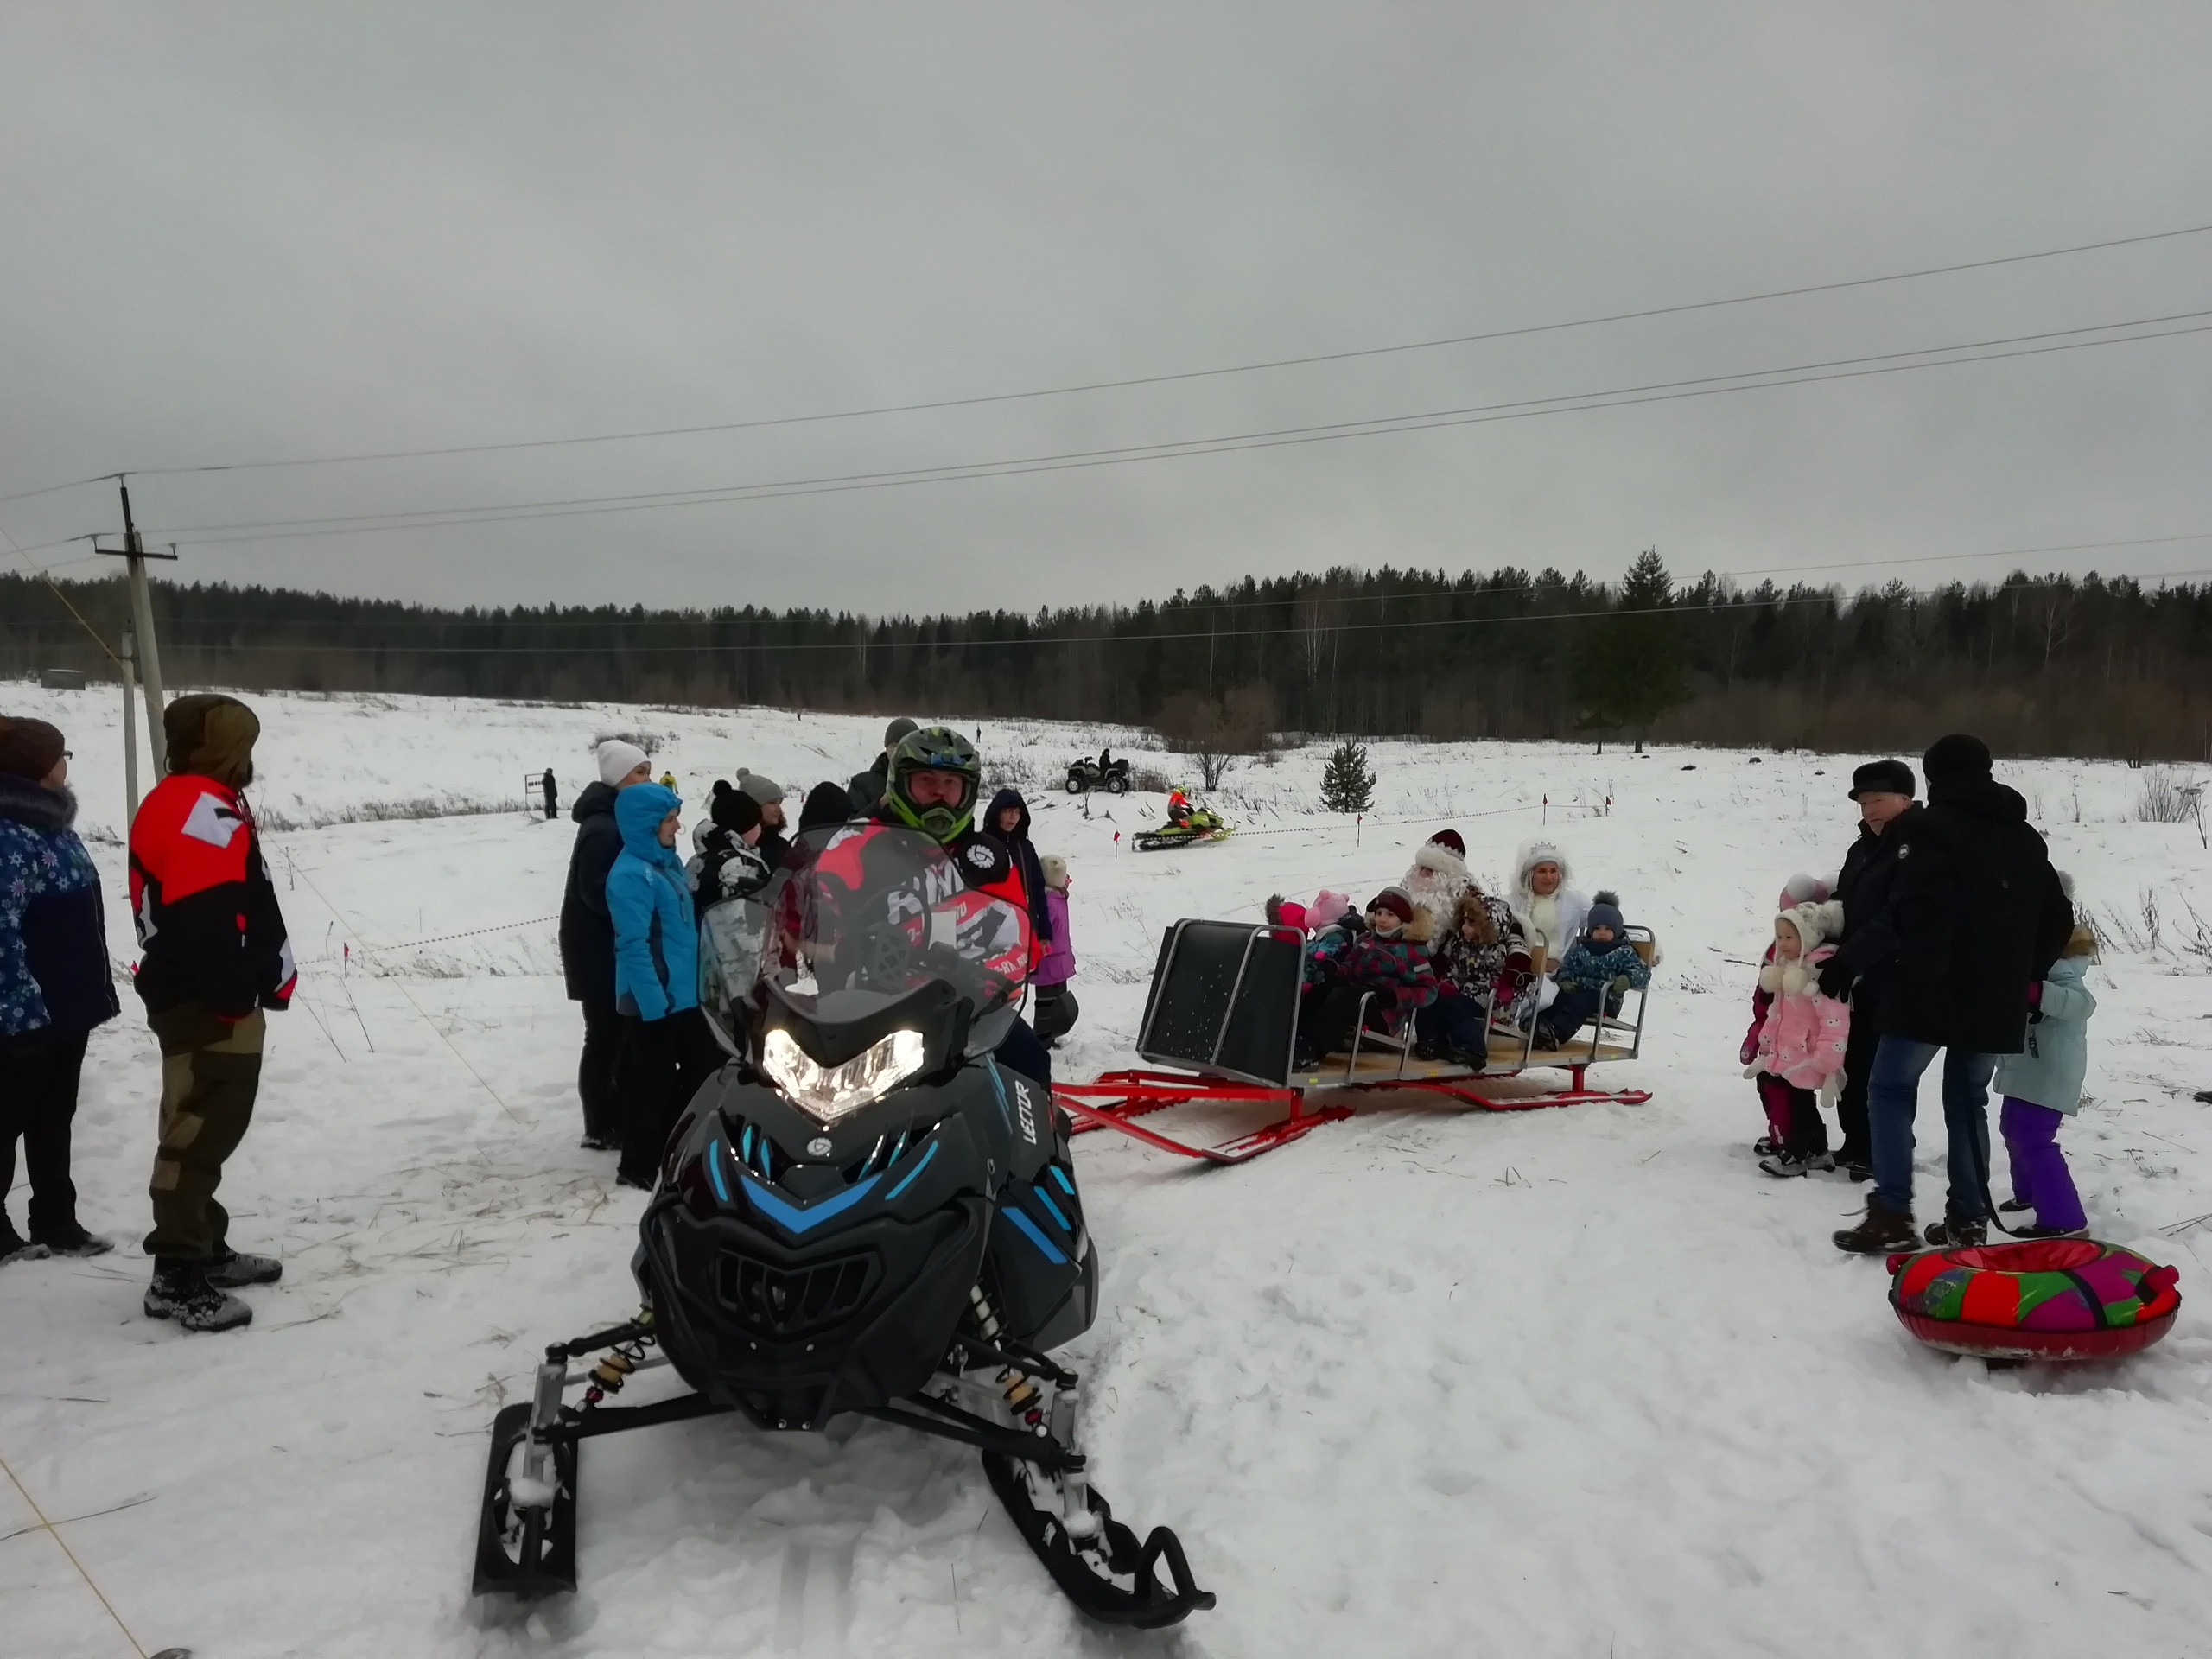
x=1085 y=774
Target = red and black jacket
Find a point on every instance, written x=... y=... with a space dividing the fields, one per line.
x=205 y=908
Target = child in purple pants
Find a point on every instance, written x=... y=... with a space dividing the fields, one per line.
x=2041 y=1087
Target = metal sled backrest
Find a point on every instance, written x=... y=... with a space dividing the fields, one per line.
x=1224 y=1001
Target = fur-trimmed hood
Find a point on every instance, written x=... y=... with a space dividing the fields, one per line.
x=1817 y=926
x=1537 y=849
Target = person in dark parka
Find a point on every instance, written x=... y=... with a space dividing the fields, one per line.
x=56 y=985
x=546 y=783
x=866 y=790
x=588 y=938
x=1864 y=959
x=1979 y=915
x=1009 y=820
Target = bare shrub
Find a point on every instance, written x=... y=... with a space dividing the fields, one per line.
x=2164 y=798
x=1217 y=733
x=649 y=741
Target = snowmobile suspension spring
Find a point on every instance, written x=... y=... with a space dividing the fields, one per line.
x=608 y=1376
x=1021 y=1395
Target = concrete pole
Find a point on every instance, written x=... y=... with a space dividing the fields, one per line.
x=130 y=731
x=149 y=656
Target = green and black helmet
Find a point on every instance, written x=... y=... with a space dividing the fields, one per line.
x=934 y=748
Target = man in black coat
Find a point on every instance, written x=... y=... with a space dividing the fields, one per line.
x=1979 y=915
x=1883 y=791
x=588 y=938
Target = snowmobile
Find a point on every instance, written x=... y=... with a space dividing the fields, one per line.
x=864 y=1213
x=1085 y=774
x=1186 y=825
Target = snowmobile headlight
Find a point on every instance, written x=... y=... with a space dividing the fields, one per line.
x=830 y=1092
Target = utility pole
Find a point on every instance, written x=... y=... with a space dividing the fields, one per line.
x=125 y=659
x=133 y=552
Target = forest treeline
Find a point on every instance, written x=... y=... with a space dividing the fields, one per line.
x=2052 y=665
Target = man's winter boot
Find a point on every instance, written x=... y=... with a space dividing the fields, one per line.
x=180 y=1292
x=1955 y=1232
x=227 y=1269
x=14 y=1247
x=1879 y=1232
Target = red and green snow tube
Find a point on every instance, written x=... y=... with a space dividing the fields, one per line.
x=2035 y=1298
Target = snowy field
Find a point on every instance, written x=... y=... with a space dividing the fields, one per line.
x=1575 y=1382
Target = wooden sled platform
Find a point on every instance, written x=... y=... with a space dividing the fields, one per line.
x=1220 y=1021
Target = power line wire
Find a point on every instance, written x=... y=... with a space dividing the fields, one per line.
x=587 y=616
x=1127 y=382
x=1564 y=403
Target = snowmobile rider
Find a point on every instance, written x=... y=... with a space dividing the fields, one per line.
x=934 y=778
x=1179 y=807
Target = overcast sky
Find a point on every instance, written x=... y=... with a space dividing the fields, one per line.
x=251 y=233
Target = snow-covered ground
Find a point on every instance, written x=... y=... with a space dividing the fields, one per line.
x=1575 y=1382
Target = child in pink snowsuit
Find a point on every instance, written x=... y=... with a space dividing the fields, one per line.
x=1796 y=1040
x=1055 y=1008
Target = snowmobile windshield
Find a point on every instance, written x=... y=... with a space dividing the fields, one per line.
x=865 y=916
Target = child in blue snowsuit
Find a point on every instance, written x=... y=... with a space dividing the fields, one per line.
x=1599 y=956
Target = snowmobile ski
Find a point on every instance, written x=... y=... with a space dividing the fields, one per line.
x=1106 y=1574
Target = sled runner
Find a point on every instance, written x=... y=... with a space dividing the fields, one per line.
x=869 y=1217
x=1221 y=1022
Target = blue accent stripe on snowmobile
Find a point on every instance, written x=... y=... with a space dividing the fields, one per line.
x=1061 y=1176
x=798 y=1218
x=998 y=1088
x=1035 y=1234
x=1046 y=1199
x=715 y=1170
x=907 y=1179
x=745 y=1146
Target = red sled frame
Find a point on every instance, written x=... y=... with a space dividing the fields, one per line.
x=1116 y=1099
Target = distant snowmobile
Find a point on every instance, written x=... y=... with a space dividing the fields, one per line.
x=1187 y=826
x=874 y=1217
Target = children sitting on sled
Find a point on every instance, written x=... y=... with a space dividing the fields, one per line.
x=1468 y=959
x=1593 y=976
x=1798 y=1033
x=1388 y=958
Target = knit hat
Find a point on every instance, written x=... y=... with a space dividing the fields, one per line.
x=212 y=735
x=1883 y=777
x=826 y=804
x=1394 y=900
x=766 y=790
x=1282 y=912
x=1957 y=758
x=617 y=760
x=1055 y=872
x=28 y=748
x=1802 y=889
x=1816 y=923
x=733 y=809
x=1328 y=908
x=1606 y=911
x=897 y=729
x=1449 y=838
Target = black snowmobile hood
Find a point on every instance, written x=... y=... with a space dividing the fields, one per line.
x=596 y=799
x=1000 y=802
x=1980 y=797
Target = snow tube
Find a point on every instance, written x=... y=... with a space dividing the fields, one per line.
x=2035 y=1298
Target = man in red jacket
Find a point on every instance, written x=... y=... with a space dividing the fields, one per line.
x=213 y=957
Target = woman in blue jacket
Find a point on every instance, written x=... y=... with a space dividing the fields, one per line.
x=55 y=984
x=670 y=1051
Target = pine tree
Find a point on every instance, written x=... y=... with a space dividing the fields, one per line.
x=1347 y=784
x=1628 y=668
